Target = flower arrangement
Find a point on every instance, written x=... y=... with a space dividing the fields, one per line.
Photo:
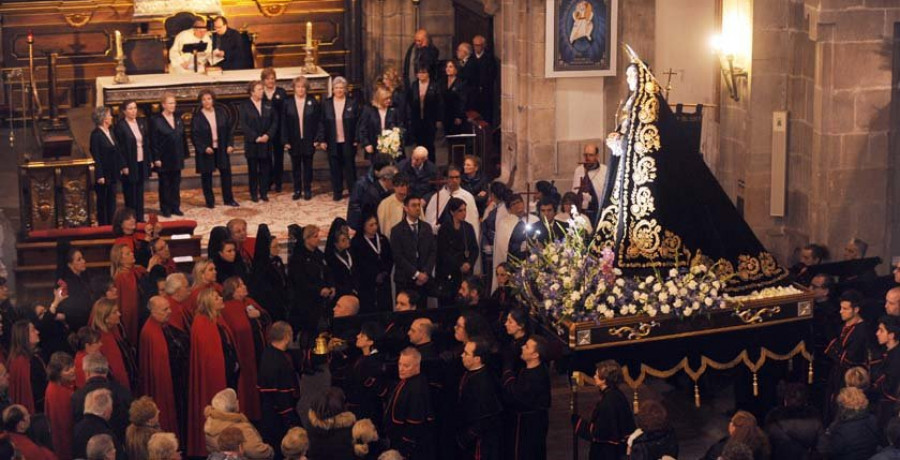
x=389 y=142
x=570 y=279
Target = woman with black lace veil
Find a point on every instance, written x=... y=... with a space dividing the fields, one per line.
x=372 y=253
x=344 y=271
x=224 y=254
x=268 y=275
x=311 y=285
x=72 y=276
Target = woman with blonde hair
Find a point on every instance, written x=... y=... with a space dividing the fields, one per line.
x=107 y=320
x=854 y=434
x=144 y=417
x=213 y=364
x=295 y=444
x=380 y=115
x=204 y=276
x=127 y=277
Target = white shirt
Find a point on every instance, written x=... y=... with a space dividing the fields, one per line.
x=390 y=213
x=177 y=58
x=301 y=109
x=339 y=118
x=211 y=118
x=138 y=138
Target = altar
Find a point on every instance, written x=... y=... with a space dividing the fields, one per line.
x=231 y=84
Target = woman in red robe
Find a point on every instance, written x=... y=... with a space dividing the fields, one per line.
x=124 y=228
x=204 y=275
x=213 y=365
x=27 y=372
x=106 y=319
x=128 y=277
x=248 y=322
x=58 y=402
x=84 y=342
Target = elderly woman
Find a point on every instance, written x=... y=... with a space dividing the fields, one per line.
x=260 y=124
x=340 y=114
x=167 y=146
x=213 y=141
x=84 y=342
x=379 y=116
x=248 y=323
x=295 y=444
x=107 y=320
x=854 y=433
x=300 y=132
x=163 y=446
x=108 y=160
x=213 y=364
x=274 y=96
x=474 y=182
x=133 y=138
x=611 y=421
x=144 y=418
x=224 y=412
x=128 y=277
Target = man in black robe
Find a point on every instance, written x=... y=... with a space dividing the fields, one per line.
x=849 y=349
x=366 y=388
x=408 y=417
x=612 y=421
x=229 y=51
x=278 y=385
x=486 y=66
x=478 y=436
x=527 y=397
x=886 y=375
x=421 y=53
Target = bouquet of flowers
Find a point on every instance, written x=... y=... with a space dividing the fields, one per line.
x=389 y=142
x=573 y=279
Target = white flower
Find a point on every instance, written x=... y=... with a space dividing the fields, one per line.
x=616 y=291
x=610 y=300
x=575 y=296
x=673 y=272
x=649 y=280
x=532 y=258
x=665 y=309
x=554 y=287
x=716 y=284
x=708 y=301
x=554 y=259
x=636 y=295
x=683 y=292
x=632 y=308
x=623 y=311
x=663 y=297
x=714 y=292
x=695 y=305
x=620 y=282
x=650 y=311
x=692 y=285
x=617 y=271
x=677 y=303
x=548 y=304
x=644 y=297
x=657 y=287
x=642 y=286
x=688 y=311
x=609 y=314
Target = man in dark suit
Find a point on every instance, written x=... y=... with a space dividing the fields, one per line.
x=549 y=228
x=420 y=171
x=96 y=368
x=228 y=47
x=486 y=65
x=426 y=107
x=420 y=54
x=415 y=250
x=369 y=190
x=98 y=408
x=301 y=130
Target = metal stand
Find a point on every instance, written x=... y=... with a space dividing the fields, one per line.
x=309 y=61
x=121 y=77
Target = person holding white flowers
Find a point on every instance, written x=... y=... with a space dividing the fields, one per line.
x=376 y=118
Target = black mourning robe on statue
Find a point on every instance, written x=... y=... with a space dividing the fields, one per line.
x=278 y=390
x=609 y=427
x=478 y=435
x=527 y=397
x=408 y=419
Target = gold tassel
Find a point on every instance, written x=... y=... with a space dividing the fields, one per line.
x=755 y=385
x=696 y=395
x=809 y=375
x=635 y=404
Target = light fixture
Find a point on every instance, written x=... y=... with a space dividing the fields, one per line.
x=731 y=72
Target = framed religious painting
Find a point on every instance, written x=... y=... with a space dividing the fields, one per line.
x=581 y=38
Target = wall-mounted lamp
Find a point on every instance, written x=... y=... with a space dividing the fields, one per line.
x=731 y=72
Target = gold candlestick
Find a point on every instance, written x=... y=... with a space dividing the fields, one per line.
x=309 y=61
x=121 y=77
x=119 y=51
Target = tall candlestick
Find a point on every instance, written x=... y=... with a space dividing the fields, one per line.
x=308 y=33
x=119 y=52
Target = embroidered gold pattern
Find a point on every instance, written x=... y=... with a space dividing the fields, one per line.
x=644 y=239
x=644 y=171
x=649 y=111
x=748 y=267
x=769 y=265
x=648 y=140
x=643 y=203
x=671 y=246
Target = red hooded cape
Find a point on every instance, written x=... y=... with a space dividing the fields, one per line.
x=191 y=302
x=80 y=377
x=248 y=249
x=110 y=349
x=58 y=409
x=206 y=378
x=131 y=240
x=29 y=449
x=156 y=375
x=180 y=317
x=235 y=315
x=129 y=298
x=20 y=382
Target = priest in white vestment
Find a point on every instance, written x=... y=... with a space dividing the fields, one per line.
x=507 y=226
x=589 y=180
x=452 y=189
x=390 y=210
x=181 y=63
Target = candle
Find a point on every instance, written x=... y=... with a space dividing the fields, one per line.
x=30 y=36
x=119 y=52
x=308 y=33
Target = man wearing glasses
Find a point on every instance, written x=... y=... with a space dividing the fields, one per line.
x=180 y=62
x=436 y=212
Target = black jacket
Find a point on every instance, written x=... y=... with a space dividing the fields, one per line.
x=344 y=278
x=88 y=427
x=426 y=57
x=77 y=307
x=308 y=274
x=455 y=247
x=167 y=144
x=312 y=125
x=434 y=104
x=256 y=124
x=364 y=200
x=369 y=127
x=653 y=445
x=350 y=116
x=201 y=136
x=455 y=99
x=408 y=258
x=793 y=432
x=232 y=43
x=121 y=403
x=106 y=155
x=419 y=180
x=128 y=145
x=332 y=438
x=851 y=437
x=609 y=425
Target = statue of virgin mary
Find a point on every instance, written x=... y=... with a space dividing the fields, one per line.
x=663 y=208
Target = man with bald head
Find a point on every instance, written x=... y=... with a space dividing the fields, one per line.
x=420 y=172
x=892 y=302
x=483 y=87
x=589 y=181
x=163 y=354
x=409 y=416
x=421 y=53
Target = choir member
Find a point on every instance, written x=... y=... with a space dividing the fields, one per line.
x=379 y=116
x=268 y=276
x=213 y=365
x=108 y=164
x=84 y=342
x=480 y=410
x=161 y=264
x=426 y=108
x=237 y=231
x=457 y=250
x=277 y=384
x=124 y=226
x=300 y=131
x=420 y=171
x=248 y=323
x=340 y=260
x=415 y=250
x=340 y=116
x=274 y=96
x=454 y=95
x=311 y=283
x=58 y=402
x=228 y=51
x=225 y=255
x=366 y=379
x=849 y=349
x=16 y=421
x=4 y=387
x=526 y=393
x=518 y=331
x=611 y=421
x=178 y=294
x=474 y=182
x=167 y=148
x=26 y=367
x=213 y=139
x=409 y=417
x=50 y=322
x=260 y=125
x=204 y=276
x=886 y=375
x=163 y=352
x=372 y=252
x=133 y=139
x=106 y=318
x=96 y=367
x=128 y=277
x=390 y=209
